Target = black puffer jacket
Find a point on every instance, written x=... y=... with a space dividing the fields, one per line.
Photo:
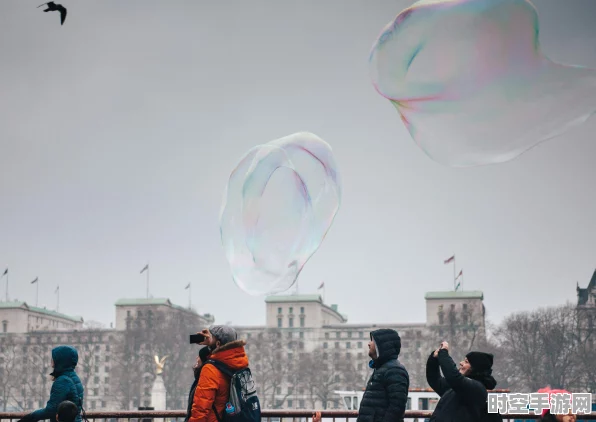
x=463 y=398
x=386 y=393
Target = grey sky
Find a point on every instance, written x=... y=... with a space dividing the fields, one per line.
x=118 y=132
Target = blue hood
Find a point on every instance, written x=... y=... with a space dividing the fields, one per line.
x=65 y=359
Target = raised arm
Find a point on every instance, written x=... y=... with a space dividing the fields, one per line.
x=433 y=376
x=470 y=390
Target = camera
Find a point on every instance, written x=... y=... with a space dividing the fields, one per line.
x=197 y=338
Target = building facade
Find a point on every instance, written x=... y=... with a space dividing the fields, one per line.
x=305 y=351
x=302 y=329
x=19 y=317
x=115 y=365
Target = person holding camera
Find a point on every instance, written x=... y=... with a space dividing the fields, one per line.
x=463 y=390
x=213 y=388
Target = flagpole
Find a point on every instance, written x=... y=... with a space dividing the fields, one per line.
x=454 y=278
x=37 y=293
x=6 y=274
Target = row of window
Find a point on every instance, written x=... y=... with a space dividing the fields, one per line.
x=290 y=322
x=348 y=345
x=290 y=310
x=291 y=334
x=81 y=347
x=464 y=307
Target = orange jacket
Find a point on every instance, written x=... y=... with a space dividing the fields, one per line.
x=214 y=387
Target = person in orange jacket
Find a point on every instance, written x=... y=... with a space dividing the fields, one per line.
x=214 y=387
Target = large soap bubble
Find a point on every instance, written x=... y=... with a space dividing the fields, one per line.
x=279 y=204
x=471 y=84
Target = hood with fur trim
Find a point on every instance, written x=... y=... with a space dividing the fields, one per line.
x=231 y=354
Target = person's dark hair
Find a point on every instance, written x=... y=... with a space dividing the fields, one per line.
x=67 y=411
x=204 y=354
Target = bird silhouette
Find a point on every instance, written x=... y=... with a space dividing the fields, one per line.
x=53 y=7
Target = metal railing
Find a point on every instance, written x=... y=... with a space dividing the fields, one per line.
x=268 y=415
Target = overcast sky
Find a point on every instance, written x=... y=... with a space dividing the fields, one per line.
x=118 y=132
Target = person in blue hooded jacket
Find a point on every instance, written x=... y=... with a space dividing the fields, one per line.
x=66 y=385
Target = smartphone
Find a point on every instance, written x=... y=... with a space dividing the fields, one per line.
x=197 y=338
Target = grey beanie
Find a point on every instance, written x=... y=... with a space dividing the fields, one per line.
x=223 y=333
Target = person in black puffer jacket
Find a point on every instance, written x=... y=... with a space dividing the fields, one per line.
x=386 y=393
x=463 y=392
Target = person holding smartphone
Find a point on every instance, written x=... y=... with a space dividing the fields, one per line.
x=463 y=389
x=213 y=388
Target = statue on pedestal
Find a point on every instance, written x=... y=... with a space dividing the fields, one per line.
x=159 y=364
x=158 y=392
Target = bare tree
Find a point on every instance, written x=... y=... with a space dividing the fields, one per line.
x=37 y=376
x=421 y=345
x=129 y=363
x=173 y=341
x=541 y=347
x=326 y=370
x=148 y=334
x=9 y=369
x=586 y=348
x=269 y=367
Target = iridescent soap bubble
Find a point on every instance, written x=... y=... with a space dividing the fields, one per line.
x=279 y=203
x=471 y=84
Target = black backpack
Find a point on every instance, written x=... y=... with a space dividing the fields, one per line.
x=243 y=404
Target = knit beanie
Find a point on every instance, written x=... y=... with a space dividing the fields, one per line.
x=480 y=361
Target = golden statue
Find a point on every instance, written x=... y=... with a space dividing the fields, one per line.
x=159 y=364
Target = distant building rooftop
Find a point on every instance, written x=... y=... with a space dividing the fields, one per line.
x=306 y=298
x=24 y=306
x=293 y=298
x=141 y=302
x=158 y=302
x=375 y=325
x=472 y=294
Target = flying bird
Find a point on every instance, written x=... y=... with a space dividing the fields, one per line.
x=53 y=7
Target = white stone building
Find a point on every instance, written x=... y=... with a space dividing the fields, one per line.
x=302 y=324
x=19 y=317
